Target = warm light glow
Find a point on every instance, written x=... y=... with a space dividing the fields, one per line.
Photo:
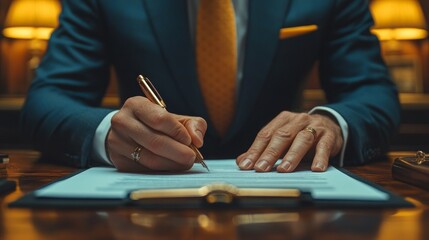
x=31 y=19
x=398 y=20
x=400 y=34
x=28 y=32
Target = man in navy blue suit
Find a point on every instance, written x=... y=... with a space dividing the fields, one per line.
x=278 y=42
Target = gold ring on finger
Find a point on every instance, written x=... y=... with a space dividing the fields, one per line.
x=312 y=131
x=135 y=155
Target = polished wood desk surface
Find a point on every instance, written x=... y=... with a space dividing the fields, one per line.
x=132 y=223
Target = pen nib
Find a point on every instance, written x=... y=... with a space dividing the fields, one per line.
x=205 y=166
x=199 y=157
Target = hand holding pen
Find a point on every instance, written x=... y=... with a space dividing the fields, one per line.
x=152 y=94
x=145 y=137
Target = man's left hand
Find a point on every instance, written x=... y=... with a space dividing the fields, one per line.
x=291 y=136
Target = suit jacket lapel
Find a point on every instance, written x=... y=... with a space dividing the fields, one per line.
x=265 y=21
x=169 y=19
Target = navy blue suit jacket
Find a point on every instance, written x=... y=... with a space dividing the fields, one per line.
x=152 y=37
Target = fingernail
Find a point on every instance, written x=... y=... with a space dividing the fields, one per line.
x=284 y=167
x=320 y=166
x=246 y=164
x=263 y=165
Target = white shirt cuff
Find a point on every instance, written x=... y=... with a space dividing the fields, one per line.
x=99 y=141
x=343 y=125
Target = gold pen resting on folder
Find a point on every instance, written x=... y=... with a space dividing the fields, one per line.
x=152 y=94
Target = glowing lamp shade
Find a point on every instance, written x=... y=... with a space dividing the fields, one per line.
x=398 y=20
x=31 y=19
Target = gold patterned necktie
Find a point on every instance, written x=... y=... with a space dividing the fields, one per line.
x=216 y=53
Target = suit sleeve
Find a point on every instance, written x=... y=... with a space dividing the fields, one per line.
x=357 y=83
x=61 y=111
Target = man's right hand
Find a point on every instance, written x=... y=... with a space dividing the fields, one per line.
x=163 y=138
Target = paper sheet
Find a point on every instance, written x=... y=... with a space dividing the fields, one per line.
x=108 y=183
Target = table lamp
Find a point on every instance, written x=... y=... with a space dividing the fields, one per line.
x=33 y=20
x=400 y=26
x=398 y=20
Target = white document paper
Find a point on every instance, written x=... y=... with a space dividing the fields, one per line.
x=108 y=183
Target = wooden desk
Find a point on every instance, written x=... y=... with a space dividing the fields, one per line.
x=128 y=223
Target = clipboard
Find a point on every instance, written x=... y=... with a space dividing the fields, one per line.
x=222 y=196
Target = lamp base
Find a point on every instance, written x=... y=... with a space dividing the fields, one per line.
x=36 y=48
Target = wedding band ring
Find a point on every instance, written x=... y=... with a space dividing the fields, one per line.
x=136 y=154
x=312 y=131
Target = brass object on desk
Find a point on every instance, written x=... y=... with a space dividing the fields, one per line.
x=420 y=157
x=413 y=170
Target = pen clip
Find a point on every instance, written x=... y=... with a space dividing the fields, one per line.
x=150 y=91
